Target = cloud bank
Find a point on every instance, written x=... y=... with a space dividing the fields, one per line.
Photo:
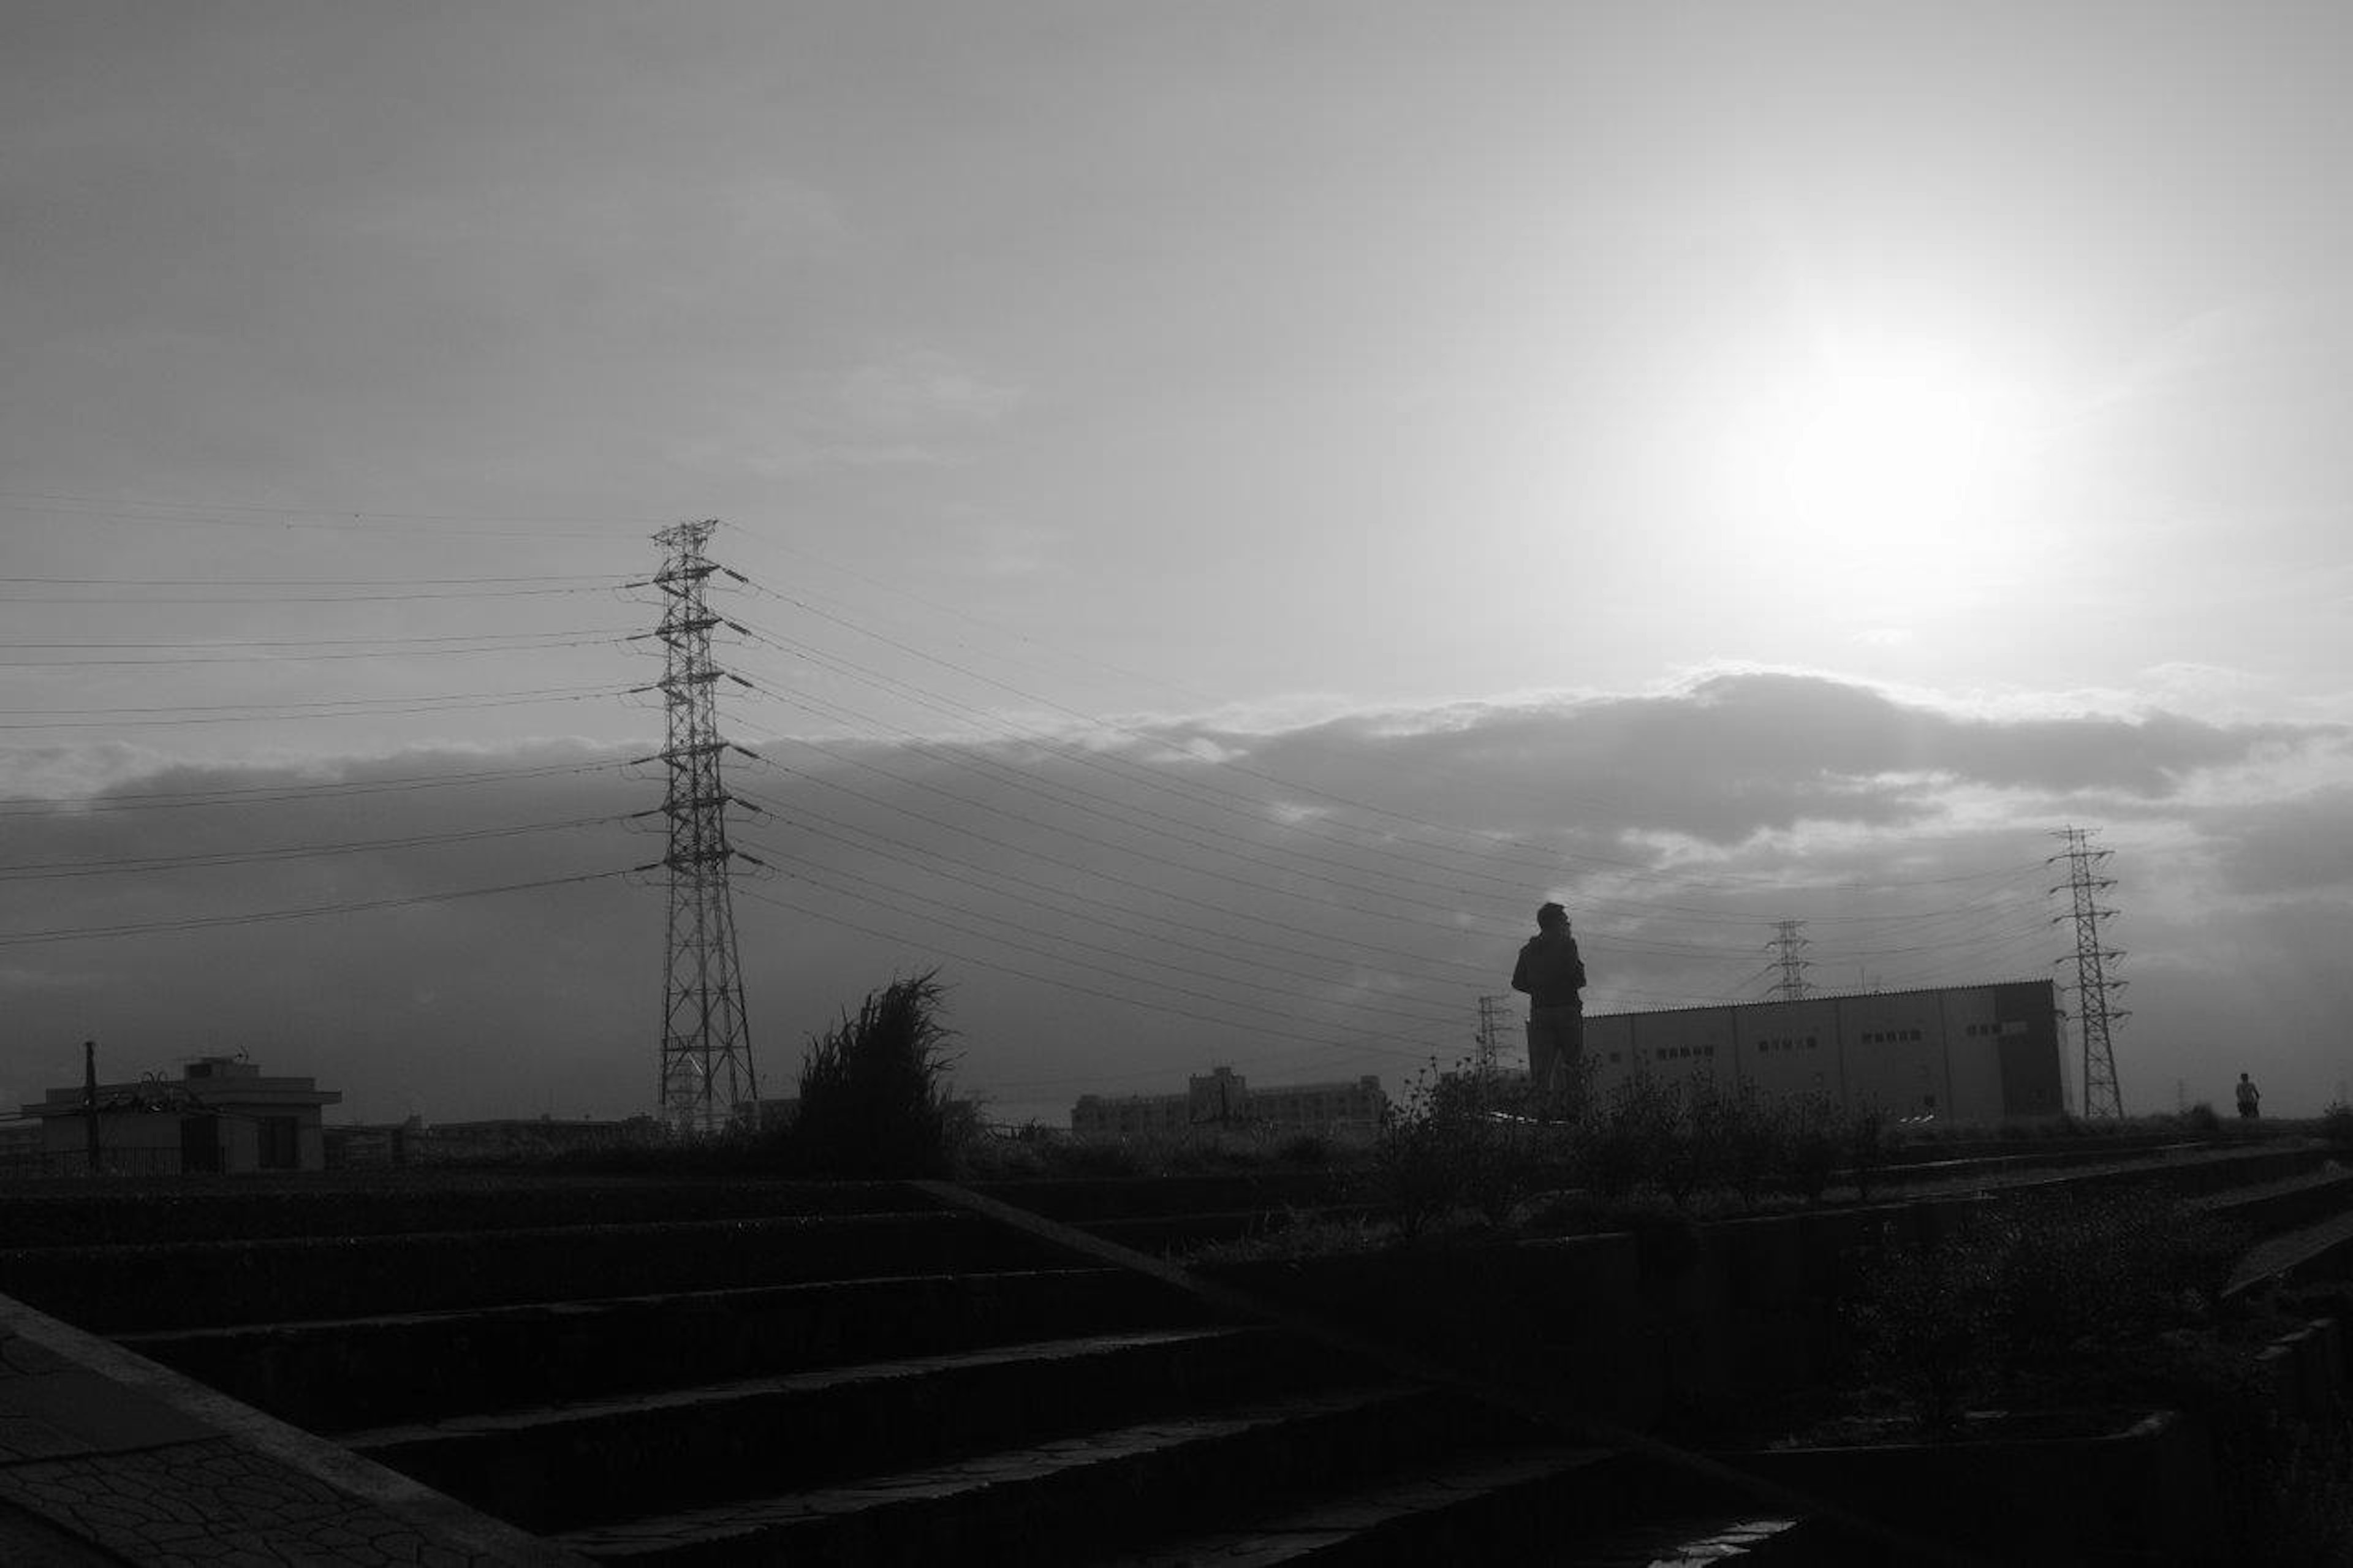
x=1116 y=909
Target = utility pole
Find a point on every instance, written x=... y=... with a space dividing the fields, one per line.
x=1491 y=1031
x=2094 y=1015
x=1788 y=943
x=706 y=1044
x=89 y=1103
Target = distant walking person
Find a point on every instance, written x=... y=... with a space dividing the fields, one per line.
x=2250 y=1097
x=1552 y=974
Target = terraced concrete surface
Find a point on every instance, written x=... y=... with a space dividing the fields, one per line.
x=847 y=1374
x=740 y=1373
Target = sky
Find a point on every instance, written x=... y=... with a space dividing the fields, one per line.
x=1228 y=506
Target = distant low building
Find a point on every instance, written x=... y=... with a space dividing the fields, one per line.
x=221 y=1115
x=1222 y=1098
x=501 y=1140
x=767 y=1115
x=20 y=1147
x=1350 y=1109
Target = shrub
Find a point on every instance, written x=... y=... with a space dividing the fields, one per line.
x=873 y=1100
x=1741 y=1137
x=2101 y=1268
x=1811 y=1148
x=1866 y=1148
x=2337 y=1123
x=1925 y=1324
x=1095 y=1157
x=1629 y=1139
x=1312 y=1150
x=1456 y=1140
x=2200 y=1118
x=2041 y=1290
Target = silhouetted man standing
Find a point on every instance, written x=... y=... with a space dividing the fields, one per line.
x=1552 y=974
x=2250 y=1097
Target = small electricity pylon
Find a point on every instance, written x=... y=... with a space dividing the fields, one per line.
x=2094 y=1015
x=706 y=1045
x=1788 y=941
x=1490 y=1030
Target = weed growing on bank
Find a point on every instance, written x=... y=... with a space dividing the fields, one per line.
x=874 y=1099
x=1475 y=1142
x=2042 y=1292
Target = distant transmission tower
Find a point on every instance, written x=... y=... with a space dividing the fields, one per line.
x=1788 y=943
x=2094 y=1015
x=1491 y=1029
x=706 y=1047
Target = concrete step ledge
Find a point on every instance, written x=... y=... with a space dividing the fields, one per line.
x=82 y=1211
x=122 y=1289
x=569 y=1467
x=2284 y=1207
x=1047 y=1502
x=1364 y=1522
x=379 y=1370
x=131 y=1462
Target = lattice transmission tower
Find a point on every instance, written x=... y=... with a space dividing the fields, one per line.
x=1492 y=1013
x=1789 y=942
x=706 y=1044
x=2095 y=1016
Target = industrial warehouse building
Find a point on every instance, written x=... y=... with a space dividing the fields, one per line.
x=1968 y=1054
x=1350 y=1109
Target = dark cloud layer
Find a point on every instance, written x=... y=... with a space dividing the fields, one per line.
x=1735 y=754
x=1331 y=902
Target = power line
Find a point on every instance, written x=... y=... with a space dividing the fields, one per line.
x=932 y=904
x=80 y=601
x=1253 y=810
x=518 y=645
x=256 y=714
x=930 y=915
x=1246 y=851
x=39 y=870
x=258 y=795
x=1096 y=721
x=609 y=579
x=329 y=519
x=1145 y=855
x=928 y=862
x=1353 y=1043
x=308 y=911
x=619 y=633
x=1252 y=852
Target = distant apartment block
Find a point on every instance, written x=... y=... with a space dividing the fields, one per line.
x=1222 y=1098
x=221 y=1115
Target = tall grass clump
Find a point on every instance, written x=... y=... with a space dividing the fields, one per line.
x=874 y=1103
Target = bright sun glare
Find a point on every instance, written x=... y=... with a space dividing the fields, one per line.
x=1878 y=457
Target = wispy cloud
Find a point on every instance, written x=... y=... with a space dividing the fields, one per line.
x=924 y=387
